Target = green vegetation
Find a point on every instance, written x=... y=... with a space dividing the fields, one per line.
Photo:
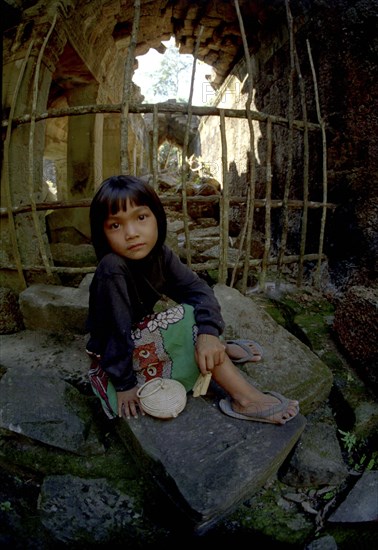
x=167 y=77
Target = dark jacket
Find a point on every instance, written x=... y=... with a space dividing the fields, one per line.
x=123 y=291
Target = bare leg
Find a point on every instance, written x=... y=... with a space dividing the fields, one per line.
x=247 y=399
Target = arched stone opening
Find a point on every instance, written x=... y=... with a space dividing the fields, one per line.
x=72 y=83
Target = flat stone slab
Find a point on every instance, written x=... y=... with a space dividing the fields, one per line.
x=45 y=408
x=206 y=462
x=288 y=365
x=361 y=504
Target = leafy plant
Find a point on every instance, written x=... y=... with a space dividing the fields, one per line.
x=5 y=506
x=349 y=439
x=360 y=458
x=373 y=462
x=329 y=495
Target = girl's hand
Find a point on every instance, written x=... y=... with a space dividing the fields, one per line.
x=128 y=403
x=209 y=352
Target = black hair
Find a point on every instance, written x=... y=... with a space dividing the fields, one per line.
x=112 y=196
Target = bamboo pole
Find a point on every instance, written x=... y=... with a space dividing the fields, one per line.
x=242 y=237
x=289 y=169
x=252 y=163
x=35 y=217
x=155 y=139
x=143 y=108
x=125 y=165
x=324 y=166
x=268 y=196
x=168 y=200
x=184 y=164
x=224 y=207
x=203 y=266
x=248 y=198
x=168 y=156
x=305 y=175
x=7 y=190
x=305 y=165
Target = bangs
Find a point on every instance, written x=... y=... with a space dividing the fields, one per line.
x=118 y=200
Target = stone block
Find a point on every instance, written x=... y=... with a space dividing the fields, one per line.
x=54 y=308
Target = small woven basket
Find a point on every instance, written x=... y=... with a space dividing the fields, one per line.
x=162 y=397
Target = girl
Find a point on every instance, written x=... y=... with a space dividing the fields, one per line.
x=129 y=344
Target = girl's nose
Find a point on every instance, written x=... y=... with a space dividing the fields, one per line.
x=130 y=231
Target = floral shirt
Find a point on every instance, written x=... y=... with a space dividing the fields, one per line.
x=123 y=291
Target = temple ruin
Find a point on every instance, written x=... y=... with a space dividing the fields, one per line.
x=286 y=128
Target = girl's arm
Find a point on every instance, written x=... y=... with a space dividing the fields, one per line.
x=185 y=286
x=210 y=352
x=110 y=322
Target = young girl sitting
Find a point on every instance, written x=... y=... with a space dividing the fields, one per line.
x=130 y=344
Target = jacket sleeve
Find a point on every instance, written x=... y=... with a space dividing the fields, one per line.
x=184 y=286
x=110 y=323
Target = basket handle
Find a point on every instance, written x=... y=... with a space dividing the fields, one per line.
x=159 y=387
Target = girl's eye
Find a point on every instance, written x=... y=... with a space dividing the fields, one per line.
x=142 y=217
x=114 y=226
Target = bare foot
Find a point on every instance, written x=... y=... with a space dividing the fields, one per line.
x=246 y=350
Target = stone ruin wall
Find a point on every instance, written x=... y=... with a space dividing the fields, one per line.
x=342 y=42
x=77 y=151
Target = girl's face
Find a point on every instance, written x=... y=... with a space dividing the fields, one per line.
x=133 y=233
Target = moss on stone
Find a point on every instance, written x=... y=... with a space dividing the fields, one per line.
x=307 y=317
x=271 y=517
x=350 y=536
x=22 y=453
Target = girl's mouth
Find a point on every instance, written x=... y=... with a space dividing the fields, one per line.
x=135 y=246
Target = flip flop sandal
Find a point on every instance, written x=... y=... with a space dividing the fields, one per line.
x=258 y=416
x=244 y=345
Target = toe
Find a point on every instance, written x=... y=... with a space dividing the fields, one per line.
x=290 y=412
x=254 y=349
